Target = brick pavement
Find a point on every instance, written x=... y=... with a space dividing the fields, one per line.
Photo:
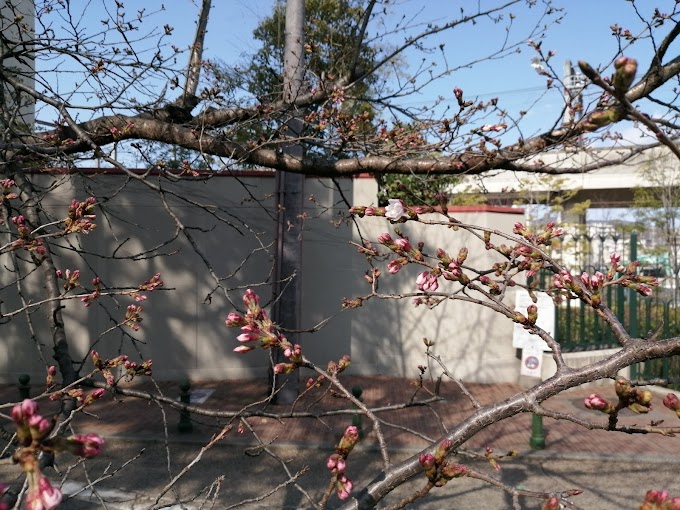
x=129 y=417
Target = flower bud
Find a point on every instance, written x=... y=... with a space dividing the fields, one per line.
x=22 y=412
x=348 y=440
x=427 y=460
x=622 y=387
x=242 y=349
x=624 y=74
x=462 y=255
x=532 y=314
x=40 y=427
x=672 y=402
x=598 y=403
x=442 y=450
x=235 y=320
x=358 y=210
x=386 y=240
x=450 y=471
x=552 y=504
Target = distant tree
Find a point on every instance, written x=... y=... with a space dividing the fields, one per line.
x=657 y=207
x=335 y=47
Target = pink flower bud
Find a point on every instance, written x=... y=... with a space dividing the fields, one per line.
x=250 y=299
x=403 y=244
x=344 y=486
x=394 y=266
x=86 y=445
x=39 y=426
x=242 y=349
x=427 y=460
x=44 y=497
x=235 y=320
x=22 y=412
x=598 y=403
x=385 y=239
x=246 y=337
x=552 y=504
x=672 y=402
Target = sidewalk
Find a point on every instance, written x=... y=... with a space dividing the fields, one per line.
x=131 y=418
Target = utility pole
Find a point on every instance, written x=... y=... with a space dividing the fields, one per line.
x=574 y=83
x=290 y=203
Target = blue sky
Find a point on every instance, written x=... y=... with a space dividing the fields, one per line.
x=584 y=34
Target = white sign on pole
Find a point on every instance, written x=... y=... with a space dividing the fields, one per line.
x=532 y=360
x=522 y=338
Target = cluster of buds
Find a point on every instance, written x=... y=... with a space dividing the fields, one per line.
x=257 y=327
x=81 y=397
x=544 y=238
x=71 y=279
x=342 y=365
x=564 y=284
x=659 y=500
x=452 y=269
x=7 y=193
x=119 y=133
x=427 y=281
x=26 y=240
x=80 y=216
x=187 y=170
x=599 y=403
x=437 y=469
x=88 y=299
x=130 y=368
x=336 y=463
x=629 y=277
x=635 y=399
x=494 y=288
x=395 y=211
x=149 y=285
x=133 y=316
x=152 y=283
x=33 y=434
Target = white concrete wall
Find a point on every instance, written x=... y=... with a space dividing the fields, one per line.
x=184 y=333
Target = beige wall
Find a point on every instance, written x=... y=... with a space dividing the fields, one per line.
x=184 y=333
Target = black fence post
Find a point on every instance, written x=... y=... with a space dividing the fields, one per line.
x=185 y=425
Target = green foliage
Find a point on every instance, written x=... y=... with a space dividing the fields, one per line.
x=331 y=42
x=415 y=189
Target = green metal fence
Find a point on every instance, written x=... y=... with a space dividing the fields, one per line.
x=579 y=328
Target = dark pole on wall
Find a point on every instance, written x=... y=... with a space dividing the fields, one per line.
x=290 y=203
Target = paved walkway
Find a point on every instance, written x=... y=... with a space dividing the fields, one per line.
x=129 y=417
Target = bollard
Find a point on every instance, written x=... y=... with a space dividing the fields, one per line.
x=24 y=386
x=185 y=425
x=356 y=418
x=537 y=439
